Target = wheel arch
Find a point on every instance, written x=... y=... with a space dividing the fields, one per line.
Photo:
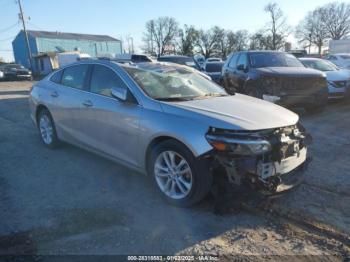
x=38 y=109
x=159 y=139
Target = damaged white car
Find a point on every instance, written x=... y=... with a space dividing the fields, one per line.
x=173 y=124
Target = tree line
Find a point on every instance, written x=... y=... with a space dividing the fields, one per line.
x=165 y=36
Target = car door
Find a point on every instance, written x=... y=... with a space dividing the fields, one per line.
x=66 y=92
x=241 y=74
x=109 y=125
x=229 y=72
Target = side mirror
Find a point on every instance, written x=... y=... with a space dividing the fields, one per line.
x=120 y=93
x=241 y=67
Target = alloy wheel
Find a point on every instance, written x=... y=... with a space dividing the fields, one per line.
x=46 y=129
x=173 y=175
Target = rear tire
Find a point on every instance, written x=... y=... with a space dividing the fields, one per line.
x=47 y=129
x=182 y=179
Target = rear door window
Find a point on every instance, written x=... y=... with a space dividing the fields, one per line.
x=75 y=76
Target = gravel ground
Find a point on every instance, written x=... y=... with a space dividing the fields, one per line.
x=69 y=201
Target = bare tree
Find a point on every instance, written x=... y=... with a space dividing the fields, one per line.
x=259 y=41
x=336 y=19
x=278 y=29
x=160 y=34
x=207 y=41
x=229 y=41
x=312 y=30
x=242 y=39
x=186 y=39
x=224 y=41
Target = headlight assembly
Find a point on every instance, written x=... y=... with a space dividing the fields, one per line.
x=239 y=146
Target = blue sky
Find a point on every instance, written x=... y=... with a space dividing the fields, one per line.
x=120 y=18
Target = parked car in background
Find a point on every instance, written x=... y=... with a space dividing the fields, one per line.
x=298 y=53
x=134 y=58
x=14 y=72
x=1 y=75
x=338 y=79
x=213 y=59
x=340 y=60
x=179 y=59
x=136 y=115
x=213 y=69
x=276 y=77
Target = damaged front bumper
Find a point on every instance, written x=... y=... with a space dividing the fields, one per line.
x=270 y=170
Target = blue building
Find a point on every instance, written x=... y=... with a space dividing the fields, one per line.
x=41 y=42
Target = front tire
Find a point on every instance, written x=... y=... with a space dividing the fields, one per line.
x=182 y=179
x=47 y=129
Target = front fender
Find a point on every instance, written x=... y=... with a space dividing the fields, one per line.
x=187 y=131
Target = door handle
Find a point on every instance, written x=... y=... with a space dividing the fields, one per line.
x=87 y=103
x=54 y=94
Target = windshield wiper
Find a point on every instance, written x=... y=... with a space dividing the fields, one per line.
x=170 y=99
x=211 y=95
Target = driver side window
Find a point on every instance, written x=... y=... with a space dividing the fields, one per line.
x=233 y=62
x=103 y=79
x=243 y=60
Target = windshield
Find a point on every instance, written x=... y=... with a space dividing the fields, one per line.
x=174 y=84
x=320 y=65
x=266 y=59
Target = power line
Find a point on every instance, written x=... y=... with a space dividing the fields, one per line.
x=35 y=26
x=7 y=39
x=9 y=28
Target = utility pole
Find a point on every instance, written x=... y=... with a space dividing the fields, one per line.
x=21 y=16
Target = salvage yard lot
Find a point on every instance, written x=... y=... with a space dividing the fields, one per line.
x=69 y=201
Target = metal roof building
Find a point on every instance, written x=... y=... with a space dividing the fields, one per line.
x=43 y=42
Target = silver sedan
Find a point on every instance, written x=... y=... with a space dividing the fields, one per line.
x=173 y=124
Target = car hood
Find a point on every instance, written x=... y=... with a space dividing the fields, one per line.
x=339 y=75
x=238 y=112
x=290 y=71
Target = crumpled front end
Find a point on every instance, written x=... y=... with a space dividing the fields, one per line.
x=295 y=91
x=271 y=161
